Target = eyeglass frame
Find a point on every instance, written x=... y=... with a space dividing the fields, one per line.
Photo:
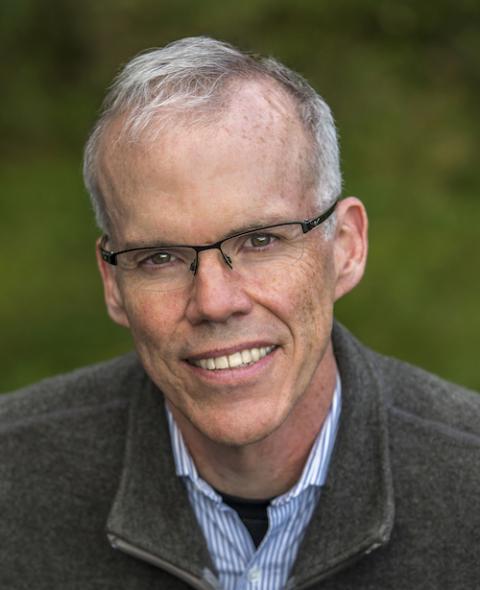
x=307 y=225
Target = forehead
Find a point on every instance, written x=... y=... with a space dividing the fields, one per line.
x=251 y=162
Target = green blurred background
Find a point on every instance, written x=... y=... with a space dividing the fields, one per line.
x=403 y=80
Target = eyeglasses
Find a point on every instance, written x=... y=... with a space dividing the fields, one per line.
x=252 y=254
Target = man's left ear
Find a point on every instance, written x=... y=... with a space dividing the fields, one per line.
x=350 y=244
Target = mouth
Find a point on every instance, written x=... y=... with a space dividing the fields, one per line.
x=237 y=360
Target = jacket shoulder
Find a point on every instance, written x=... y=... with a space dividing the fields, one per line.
x=407 y=390
x=62 y=444
x=105 y=383
x=432 y=444
x=416 y=395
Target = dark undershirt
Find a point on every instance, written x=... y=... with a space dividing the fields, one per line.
x=253 y=514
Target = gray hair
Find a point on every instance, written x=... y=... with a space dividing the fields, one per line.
x=189 y=77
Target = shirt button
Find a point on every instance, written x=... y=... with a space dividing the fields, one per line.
x=254 y=575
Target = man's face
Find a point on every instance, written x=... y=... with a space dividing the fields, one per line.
x=195 y=186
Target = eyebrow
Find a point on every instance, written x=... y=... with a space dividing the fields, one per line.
x=258 y=224
x=150 y=244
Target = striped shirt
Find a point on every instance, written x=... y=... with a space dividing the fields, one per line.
x=239 y=564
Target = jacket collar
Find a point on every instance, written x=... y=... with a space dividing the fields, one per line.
x=356 y=508
x=151 y=519
x=148 y=518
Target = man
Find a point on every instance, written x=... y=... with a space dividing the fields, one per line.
x=251 y=442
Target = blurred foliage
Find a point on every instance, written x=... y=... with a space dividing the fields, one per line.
x=403 y=79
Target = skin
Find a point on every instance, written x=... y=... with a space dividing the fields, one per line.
x=249 y=430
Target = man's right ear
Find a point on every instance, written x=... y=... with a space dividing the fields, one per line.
x=113 y=296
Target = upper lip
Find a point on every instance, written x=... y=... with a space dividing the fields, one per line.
x=216 y=352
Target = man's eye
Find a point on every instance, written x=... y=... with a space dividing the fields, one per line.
x=260 y=240
x=158 y=259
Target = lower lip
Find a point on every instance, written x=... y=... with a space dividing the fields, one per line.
x=233 y=376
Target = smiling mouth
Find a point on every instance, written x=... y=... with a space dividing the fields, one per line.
x=239 y=359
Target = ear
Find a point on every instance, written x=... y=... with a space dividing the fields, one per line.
x=113 y=296
x=350 y=244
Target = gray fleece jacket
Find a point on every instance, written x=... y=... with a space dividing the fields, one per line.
x=89 y=499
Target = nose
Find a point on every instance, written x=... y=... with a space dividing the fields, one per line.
x=217 y=293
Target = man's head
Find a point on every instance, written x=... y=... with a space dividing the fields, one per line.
x=199 y=142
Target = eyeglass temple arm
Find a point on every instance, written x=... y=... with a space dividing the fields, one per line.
x=309 y=225
x=109 y=257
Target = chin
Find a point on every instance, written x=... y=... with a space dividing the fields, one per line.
x=237 y=439
x=238 y=430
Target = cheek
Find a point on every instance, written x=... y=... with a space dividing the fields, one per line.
x=154 y=317
x=306 y=292
x=312 y=303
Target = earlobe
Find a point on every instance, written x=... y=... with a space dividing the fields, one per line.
x=351 y=245
x=113 y=296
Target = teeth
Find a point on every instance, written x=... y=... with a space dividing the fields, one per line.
x=246 y=357
x=237 y=359
x=221 y=362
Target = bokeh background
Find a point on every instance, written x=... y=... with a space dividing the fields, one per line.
x=403 y=80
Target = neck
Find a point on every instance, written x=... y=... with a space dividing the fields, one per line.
x=271 y=466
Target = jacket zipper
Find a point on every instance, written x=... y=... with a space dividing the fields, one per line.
x=125 y=547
